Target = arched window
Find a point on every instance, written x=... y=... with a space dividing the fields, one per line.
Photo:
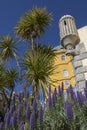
x=65 y=72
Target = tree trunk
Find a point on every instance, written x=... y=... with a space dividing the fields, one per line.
x=20 y=75
x=32 y=42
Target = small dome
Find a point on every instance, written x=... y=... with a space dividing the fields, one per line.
x=66 y=16
x=68 y=32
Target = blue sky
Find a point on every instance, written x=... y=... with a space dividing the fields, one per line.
x=12 y=10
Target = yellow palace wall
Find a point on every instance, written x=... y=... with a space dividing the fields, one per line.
x=64 y=70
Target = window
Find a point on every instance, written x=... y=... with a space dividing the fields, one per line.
x=67 y=83
x=64 y=22
x=63 y=57
x=65 y=72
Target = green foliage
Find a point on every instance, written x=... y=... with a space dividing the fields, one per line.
x=55 y=117
x=39 y=67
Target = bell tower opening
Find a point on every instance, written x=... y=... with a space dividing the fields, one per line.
x=64 y=22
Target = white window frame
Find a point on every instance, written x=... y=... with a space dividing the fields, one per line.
x=65 y=72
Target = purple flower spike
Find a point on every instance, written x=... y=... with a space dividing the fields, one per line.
x=27 y=94
x=62 y=87
x=79 y=98
x=19 y=96
x=34 y=104
x=12 y=109
x=40 y=115
x=22 y=125
x=32 y=120
x=85 y=92
x=14 y=119
x=25 y=103
x=49 y=101
x=20 y=111
x=5 y=117
x=59 y=90
x=53 y=99
x=7 y=120
x=55 y=92
x=1 y=126
x=49 y=89
x=22 y=95
x=28 y=112
x=71 y=92
x=71 y=88
x=38 y=96
x=68 y=110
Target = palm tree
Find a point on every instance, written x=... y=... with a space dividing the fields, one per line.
x=33 y=24
x=37 y=63
x=8 y=50
x=39 y=68
x=12 y=79
x=7 y=47
x=8 y=80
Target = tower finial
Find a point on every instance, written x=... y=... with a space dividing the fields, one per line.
x=68 y=32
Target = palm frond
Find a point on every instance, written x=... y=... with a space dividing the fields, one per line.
x=7 y=47
x=12 y=77
x=39 y=67
x=33 y=23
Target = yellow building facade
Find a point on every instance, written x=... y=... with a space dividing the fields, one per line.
x=64 y=70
